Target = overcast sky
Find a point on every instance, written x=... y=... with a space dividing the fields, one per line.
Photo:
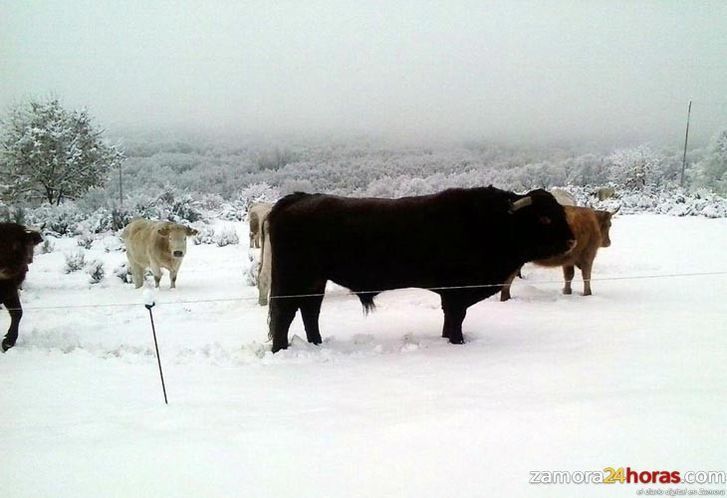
x=451 y=69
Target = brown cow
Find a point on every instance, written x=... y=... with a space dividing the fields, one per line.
x=155 y=245
x=16 y=253
x=591 y=229
x=255 y=217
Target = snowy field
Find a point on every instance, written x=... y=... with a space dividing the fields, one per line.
x=635 y=375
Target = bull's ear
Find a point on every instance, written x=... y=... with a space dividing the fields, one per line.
x=521 y=203
x=191 y=231
x=163 y=231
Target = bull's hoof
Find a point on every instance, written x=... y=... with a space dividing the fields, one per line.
x=587 y=293
x=459 y=340
x=504 y=297
x=6 y=344
x=278 y=347
x=567 y=292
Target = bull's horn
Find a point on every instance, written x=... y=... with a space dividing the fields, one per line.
x=616 y=210
x=521 y=203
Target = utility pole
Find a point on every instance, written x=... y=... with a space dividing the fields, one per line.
x=686 y=139
x=121 y=189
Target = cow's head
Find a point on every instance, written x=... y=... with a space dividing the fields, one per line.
x=541 y=228
x=176 y=236
x=32 y=239
x=604 y=224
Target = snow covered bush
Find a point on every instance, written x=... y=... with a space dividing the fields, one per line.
x=75 y=261
x=226 y=236
x=95 y=270
x=205 y=235
x=85 y=241
x=47 y=246
x=122 y=271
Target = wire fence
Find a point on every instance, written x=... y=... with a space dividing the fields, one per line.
x=375 y=291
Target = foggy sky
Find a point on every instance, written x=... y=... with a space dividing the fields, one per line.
x=524 y=70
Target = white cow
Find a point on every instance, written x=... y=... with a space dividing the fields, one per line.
x=263 y=276
x=155 y=245
x=255 y=216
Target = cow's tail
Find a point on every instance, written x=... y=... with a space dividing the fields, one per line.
x=367 y=301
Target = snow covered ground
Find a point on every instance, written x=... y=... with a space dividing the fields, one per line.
x=635 y=375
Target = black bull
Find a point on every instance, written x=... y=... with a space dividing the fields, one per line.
x=450 y=243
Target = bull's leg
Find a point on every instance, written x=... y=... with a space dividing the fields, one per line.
x=282 y=312
x=568 y=272
x=12 y=303
x=505 y=292
x=454 y=314
x=310 y=310
x=586 y=273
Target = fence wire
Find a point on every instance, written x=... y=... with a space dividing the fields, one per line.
x=350 y=293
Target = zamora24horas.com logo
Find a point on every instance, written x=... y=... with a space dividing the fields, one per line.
x=628 y=475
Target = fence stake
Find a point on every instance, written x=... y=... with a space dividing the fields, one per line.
x=149 y=306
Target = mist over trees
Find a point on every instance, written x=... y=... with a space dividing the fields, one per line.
x=376 y=168
x=49 y=155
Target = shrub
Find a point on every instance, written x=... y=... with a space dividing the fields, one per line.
x=75 y=261
x=96 y=271
x=47 y=247
x=226 y=236
x=85 y=241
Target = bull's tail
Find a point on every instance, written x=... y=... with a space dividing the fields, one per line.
x=367 y=301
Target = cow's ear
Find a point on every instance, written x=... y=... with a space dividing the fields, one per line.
x=191 y=231
x=163 y=231
x=33 y=237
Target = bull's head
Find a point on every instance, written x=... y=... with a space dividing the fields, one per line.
x=176 y=236
x=541 y=227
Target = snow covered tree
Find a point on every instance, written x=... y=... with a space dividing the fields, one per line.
x=51 y=153
x=712 y=170
x=635 y=168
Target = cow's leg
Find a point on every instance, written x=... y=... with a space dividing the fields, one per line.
x=157 y=271
x=264 y=266
x=137 y=275
x=586 y=274
x=282 y=312
x=173 y=277
x=568 y=272
x=505 y=292
x=12 y=303
x=310 y=309
x=454 y=314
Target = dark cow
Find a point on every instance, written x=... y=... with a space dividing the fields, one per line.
x=460 y=243
x=17 y=244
